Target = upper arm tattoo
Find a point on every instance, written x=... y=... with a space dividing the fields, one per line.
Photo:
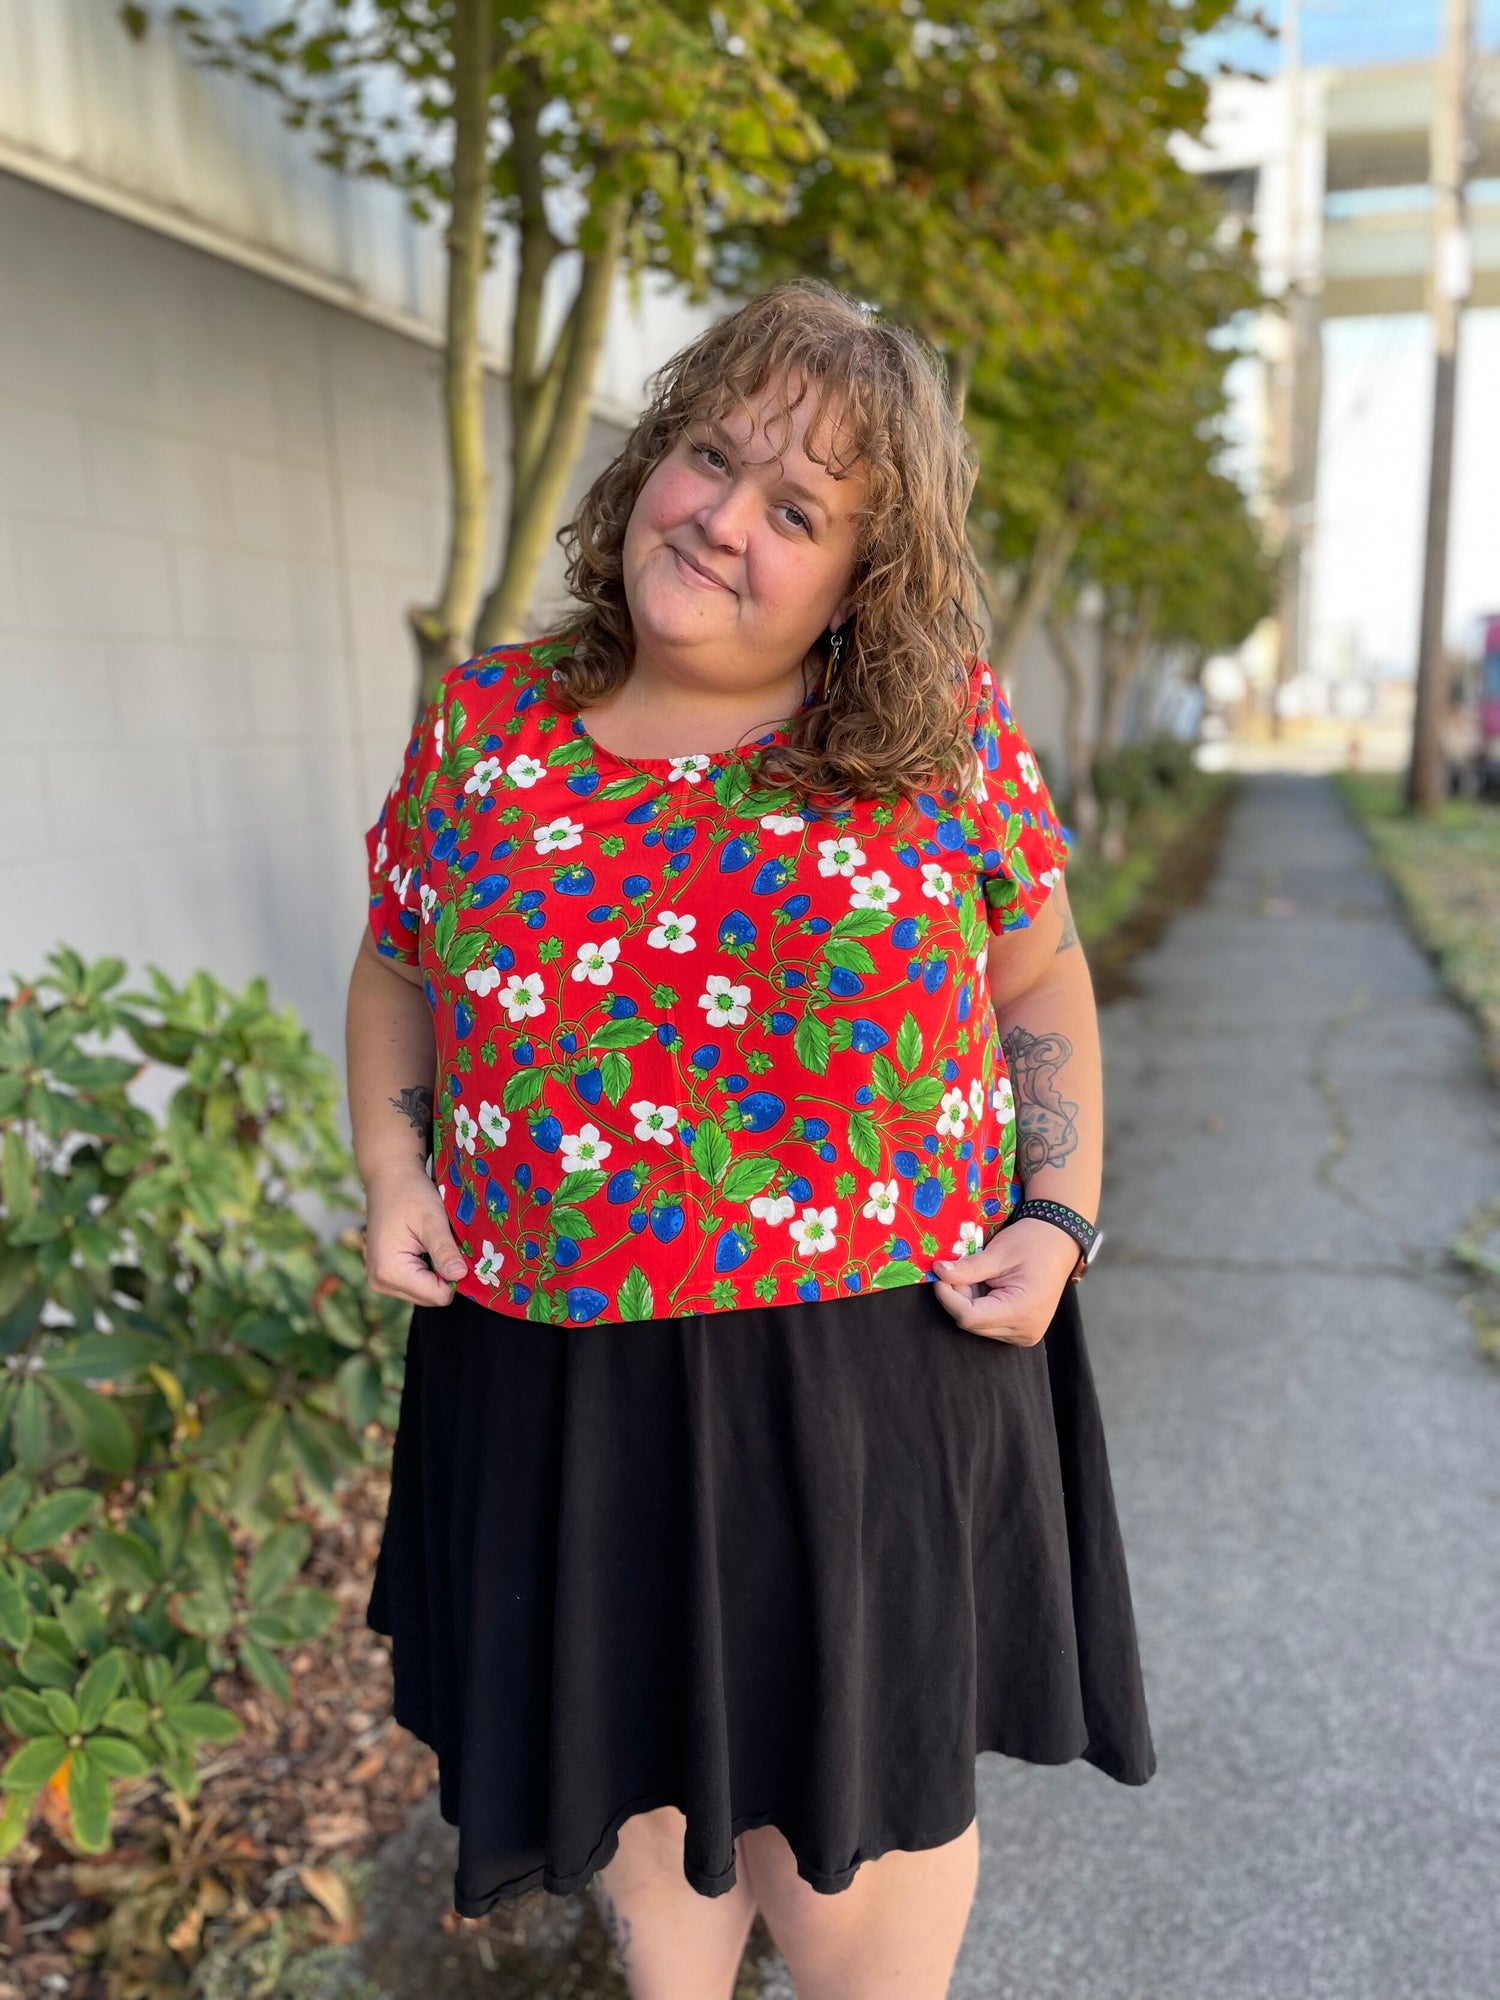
x=1046 y=1131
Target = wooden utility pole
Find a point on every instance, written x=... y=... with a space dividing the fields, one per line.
x=1449 y=287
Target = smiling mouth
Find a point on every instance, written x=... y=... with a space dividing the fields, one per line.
x=708 y=582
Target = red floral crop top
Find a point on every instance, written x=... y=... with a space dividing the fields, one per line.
x=700 y=1046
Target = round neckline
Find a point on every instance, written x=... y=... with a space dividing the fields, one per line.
x=661 y=766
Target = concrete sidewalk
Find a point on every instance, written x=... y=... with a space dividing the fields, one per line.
x=1306 y=1454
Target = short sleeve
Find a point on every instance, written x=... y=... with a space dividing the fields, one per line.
x=393 y=845
x=1024 y=845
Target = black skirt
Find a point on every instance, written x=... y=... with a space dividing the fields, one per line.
x=786 y=1564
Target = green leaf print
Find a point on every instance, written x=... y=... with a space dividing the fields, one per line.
x=625 y=788
x=811 y=1043
x=636 y=1300
x=466 y=951
x=849 y=955
x=521 y=1088
x=864 y=1141
x=458 y=722
x=862 y=924
x=909 y=1043
x=902 y=1273
x=887 y=1077
x=569 y=1221
x=747 y=1177
x=443 y=930
x=579 y=1185
x=621 y=1034
x=760 y=800
x=539 y=1306
x=572 y=750
x=920 y=1093
x=614 y=1071
x=710 y=1150
x=731 y=785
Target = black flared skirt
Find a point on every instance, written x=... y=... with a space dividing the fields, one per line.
x=794 y=1565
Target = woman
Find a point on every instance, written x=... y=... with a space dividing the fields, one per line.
x=738 y=1501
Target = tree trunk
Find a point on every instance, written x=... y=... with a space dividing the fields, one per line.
x=1050 y=556
x=1083 y=803
x=538 y=483
x=1122 y=668
x=441 y=630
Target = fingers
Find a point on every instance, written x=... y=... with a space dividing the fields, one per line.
x=394 y=1259
x=991 y=1314
x=988 y=1261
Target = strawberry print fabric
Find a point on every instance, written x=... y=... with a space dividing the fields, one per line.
x=699 y=1045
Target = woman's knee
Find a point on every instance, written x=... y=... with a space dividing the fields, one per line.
x=896 y=1929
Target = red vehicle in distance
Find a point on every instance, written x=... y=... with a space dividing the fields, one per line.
x=1471 y=727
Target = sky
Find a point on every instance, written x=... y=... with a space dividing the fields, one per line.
x=1350 y=31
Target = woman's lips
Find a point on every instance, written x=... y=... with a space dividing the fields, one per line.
x=699 y=578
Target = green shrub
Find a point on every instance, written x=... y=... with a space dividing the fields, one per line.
x=1141 y=772
x=189 y=1366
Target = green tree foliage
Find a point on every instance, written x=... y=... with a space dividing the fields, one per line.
x=619 y=130
x=189 y=1367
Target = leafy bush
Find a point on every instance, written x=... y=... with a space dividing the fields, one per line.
x=1138 y=773
x=187 y=1364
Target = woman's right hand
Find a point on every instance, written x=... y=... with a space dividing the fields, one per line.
x=405 y=1217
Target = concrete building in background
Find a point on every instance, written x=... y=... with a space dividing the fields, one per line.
x=1331 y=165
x=221 y=484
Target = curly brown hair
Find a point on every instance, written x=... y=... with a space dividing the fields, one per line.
x=894 y=718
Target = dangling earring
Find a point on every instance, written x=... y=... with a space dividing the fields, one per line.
x=833 y=659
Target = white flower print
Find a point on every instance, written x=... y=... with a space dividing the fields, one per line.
x=1051 y=876
x=839 y=857
x=689 y=769
x=873 y=892
x=401 y=883
x=955 y=1111
x=483 y=775
x=525 y=771
x=654 y=1121
x=382 y=853
x=437 y=736
x=1003 y=1100
x=882 y=1202
x=429 y=902
x=970 y=1239
x=465 y=1131
x=725 y=1002
x=782 y=822
x=672 y=932
x=773 y=1208
x=558 y=834
x=1026 y=765
x=522 y=998
x=487 y=1270
x=936 y=882
x=813 y=1230
x=584 y=1148
x=482 y=979
x=596 y=961
x=493 y=1123
x=976 y=1098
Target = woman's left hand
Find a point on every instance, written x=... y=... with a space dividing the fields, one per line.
x=1011 y=1288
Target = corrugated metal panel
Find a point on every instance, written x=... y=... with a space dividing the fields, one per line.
x=138 y=129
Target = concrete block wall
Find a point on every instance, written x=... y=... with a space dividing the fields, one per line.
x=217 y=497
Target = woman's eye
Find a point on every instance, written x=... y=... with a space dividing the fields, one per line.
x=704 y=449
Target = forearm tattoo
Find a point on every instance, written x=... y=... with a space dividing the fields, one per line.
x=1069 y=931
x=415 y=1105
x=1046 y=1128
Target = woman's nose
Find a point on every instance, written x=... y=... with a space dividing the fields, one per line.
x=725 y=521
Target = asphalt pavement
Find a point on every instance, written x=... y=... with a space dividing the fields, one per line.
x=1305 y=1447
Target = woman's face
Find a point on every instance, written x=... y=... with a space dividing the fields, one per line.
x=733 y=563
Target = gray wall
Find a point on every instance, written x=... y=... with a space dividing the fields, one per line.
x=217 y=495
